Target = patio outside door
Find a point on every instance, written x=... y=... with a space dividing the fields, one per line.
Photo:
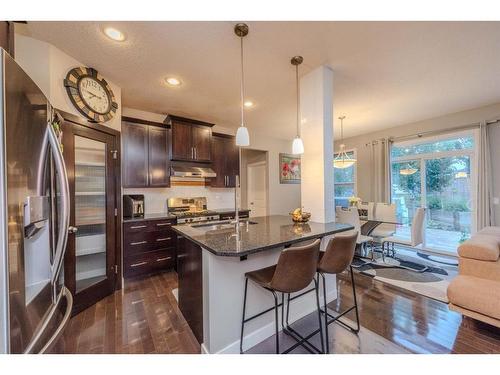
x=438 y=173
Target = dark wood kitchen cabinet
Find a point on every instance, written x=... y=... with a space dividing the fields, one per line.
x=7 y=36
x=146 y=161
x=148 y=246
x=159 y=163
x=226 y=160
x=191 y=139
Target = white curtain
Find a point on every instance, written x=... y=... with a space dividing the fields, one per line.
x=485 y=215
x=380 y=171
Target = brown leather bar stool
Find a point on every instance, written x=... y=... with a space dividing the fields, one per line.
x=334 y=260
x=295 y=270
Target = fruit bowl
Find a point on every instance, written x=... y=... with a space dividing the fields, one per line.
x=300 y=217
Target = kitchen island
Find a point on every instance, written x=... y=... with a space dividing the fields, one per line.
x=212 y=261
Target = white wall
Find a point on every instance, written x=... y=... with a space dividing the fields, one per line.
x=283 y=198
x=48 y=66
x=439 y=123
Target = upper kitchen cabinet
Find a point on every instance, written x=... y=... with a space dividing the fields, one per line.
x=226 y=160
x=146 y=161
x=191 y=139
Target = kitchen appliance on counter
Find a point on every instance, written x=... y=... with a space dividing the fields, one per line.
x=35 y=306
x=191 y=210
x=133 y=206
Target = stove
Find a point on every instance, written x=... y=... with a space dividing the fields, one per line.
x=191 y=210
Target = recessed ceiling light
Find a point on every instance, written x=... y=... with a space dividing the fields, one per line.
x=172 y=81
x=248 y=104
x=114 y=34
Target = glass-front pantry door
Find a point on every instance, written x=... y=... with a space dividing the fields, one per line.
x=90 y=266
x=90 y=212
x=439 y=174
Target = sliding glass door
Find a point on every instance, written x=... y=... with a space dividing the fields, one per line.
x=437 y=173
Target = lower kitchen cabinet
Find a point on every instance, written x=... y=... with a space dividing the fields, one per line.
x=243 y=214
x=148 y=246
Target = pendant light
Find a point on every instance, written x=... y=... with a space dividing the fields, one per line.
x=408 y=171
x=297 y=145
x=343 y=160
x=242 y=136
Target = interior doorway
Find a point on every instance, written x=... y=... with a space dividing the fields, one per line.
x=254 y=181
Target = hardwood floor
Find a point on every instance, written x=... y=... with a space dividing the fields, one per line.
x=390 y=315
x=144 y=318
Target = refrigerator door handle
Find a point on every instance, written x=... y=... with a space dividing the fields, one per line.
x=62 y=236
x=67 y=315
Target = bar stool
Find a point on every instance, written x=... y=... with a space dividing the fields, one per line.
x=334 y=260
x=295 y=270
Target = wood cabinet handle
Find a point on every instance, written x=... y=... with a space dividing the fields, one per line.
x=138 y=227
x=163 y=224
x=138 y=264
x=162 y=259
x=138 y=243
x=163 y=239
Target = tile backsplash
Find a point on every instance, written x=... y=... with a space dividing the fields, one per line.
x=155 y=199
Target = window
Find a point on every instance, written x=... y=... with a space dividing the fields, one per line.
x=345 y=182
x=437 y=173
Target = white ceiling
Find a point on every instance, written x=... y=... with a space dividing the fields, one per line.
x=386 y=73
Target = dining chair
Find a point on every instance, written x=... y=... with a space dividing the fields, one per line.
x=351 y=216
x=416 y=235
x=385 y=212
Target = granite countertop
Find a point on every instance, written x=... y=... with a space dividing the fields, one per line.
x=268 y=232
x=157 y=216
x=166 y=215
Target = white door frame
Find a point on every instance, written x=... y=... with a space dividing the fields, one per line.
x=257 y=164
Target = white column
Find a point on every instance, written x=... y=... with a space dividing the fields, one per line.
x=317 y=190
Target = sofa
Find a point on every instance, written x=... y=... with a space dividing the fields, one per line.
x=475 y=292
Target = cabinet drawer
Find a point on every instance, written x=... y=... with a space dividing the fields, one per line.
x=161 y=224
x=142 y=226
x=136 y=227
x=135 y=243
x=232 y=215
x=148 y=262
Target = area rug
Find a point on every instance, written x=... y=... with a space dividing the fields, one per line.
x=432 y=282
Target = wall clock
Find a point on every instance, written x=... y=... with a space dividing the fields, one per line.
x=90 y=94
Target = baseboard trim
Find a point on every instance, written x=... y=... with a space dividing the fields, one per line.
x=299 y=310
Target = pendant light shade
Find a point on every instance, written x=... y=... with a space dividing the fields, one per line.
x=342 y=160
x=242 y=136
x=297 y=145
x=408 y=171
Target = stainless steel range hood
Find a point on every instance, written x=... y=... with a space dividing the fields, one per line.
x=190 y=171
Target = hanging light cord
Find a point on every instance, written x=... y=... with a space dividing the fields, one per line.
x=342 y=152
x=242 y=85
x=298 y=99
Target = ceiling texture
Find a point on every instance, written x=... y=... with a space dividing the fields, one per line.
x=385 y=73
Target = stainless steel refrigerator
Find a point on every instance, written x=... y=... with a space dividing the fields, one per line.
x=35 y=306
